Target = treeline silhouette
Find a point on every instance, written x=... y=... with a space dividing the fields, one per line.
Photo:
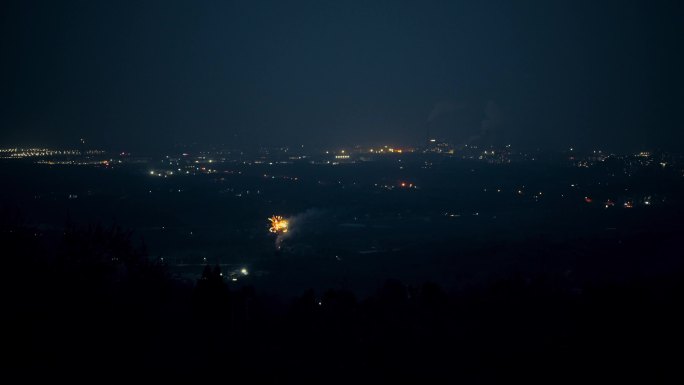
x=91 y=306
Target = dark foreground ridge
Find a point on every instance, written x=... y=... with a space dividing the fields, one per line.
x=96 y=309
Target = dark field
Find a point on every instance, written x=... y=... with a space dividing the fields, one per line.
x=482 y=273
x=354 y=225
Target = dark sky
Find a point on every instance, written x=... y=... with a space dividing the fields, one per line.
x=132 y=75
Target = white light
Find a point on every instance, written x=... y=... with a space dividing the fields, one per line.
x=244 y=271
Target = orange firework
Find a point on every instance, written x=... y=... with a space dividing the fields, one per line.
x=279 y=224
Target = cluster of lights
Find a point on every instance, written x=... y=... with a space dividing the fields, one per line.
x=78 y=163
x=403 y=185
x=237 y=273
x=388 y=149
x=9 y=153
x=628 y=204
x=284 y=177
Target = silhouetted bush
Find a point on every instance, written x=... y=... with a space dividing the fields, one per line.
x=96 y=306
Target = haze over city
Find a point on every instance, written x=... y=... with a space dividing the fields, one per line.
x=266 y=192
x=129 y=76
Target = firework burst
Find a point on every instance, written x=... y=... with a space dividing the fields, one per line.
x=279 y=225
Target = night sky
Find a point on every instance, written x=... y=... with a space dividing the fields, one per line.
x=150 y=74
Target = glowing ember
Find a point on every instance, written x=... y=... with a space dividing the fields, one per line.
x=278 y=224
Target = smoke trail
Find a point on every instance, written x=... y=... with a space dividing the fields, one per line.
x=297 y=225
